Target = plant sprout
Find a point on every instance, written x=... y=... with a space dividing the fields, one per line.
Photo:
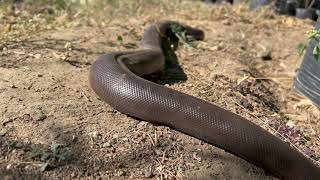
x=312 y=35
x=181 y=34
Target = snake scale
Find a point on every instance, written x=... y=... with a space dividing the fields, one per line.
x=116 y=79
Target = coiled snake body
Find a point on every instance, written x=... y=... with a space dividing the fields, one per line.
x=115 y=79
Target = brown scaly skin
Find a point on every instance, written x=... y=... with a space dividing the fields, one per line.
x=114 y=79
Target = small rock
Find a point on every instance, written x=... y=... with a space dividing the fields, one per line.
x=158 y=152
x=217 y=47
x=142 y=125
x=37 y=56
x=74 y=138
x=226 y=22
x=73 y=175
x=148 y=173
x=95 y=134
x=9 y=166
x=115 y=136
x=120 y=173
x=13 y=86
x=38 y=115
x=28 y=167
x=246 y=104
x=107 y=144
x=3 y=132
x=96 y=168
x=290 y=124
x=214 y=48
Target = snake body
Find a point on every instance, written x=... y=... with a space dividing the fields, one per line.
x=115 y=78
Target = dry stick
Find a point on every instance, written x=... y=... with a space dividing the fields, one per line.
x=163 y=156
x=311 y=4
x=270 y=78
x=152 y=141
x=275 y=131
x=155 y=138
x=161 y=167
x=306 y=4
x=25 y=162
x=161 y=172
x=171 y=173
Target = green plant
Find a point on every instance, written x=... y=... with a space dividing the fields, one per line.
x=312 y=35
x=181 y=34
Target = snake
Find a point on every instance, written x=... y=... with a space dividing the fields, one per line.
x=117 y=78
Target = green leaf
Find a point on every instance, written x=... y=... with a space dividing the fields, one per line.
x=120 y=39
x=316 y=51
x=176 y=29
x=301 y=48
x=312 y=34
x=60 y=4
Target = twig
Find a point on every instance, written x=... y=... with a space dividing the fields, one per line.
x=311 y=4
x=171 y=173
x=163 y=156
x=271 y=78
x=152 y=141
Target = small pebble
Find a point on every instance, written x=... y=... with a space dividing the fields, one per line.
x=9 y=166
x=120 y=173
x=73 y=175
x=142 y=125
x=107 y=144
x=115 y=136
x=290 y=124
x=38 y=115
x=148 y=173
x=3 y=132
x=226 y=22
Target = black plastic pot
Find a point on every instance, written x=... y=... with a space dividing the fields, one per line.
x=309 y=13
x=238 y=1
x=318 y=12
x=286 y=7
x=307 y=81
x=258 y=3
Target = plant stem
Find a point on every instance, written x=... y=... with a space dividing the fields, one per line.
x=311 y=4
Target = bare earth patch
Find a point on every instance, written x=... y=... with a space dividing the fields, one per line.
x=53 y=125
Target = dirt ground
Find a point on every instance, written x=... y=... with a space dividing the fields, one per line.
x=53 y=126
